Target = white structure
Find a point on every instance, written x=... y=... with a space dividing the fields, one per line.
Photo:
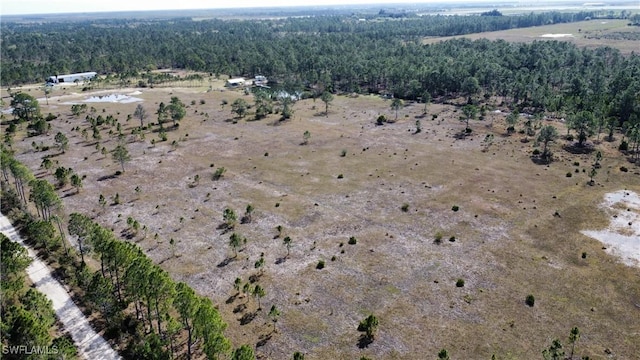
x=235 y=82
x=71 y=78
x=259 y=80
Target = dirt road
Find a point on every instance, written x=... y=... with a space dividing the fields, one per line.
x=90 y=345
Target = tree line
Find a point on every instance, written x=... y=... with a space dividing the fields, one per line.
x=34 y=51
x=27 y=318
x=340 y=54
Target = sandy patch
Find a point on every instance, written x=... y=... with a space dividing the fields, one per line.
x=113 y=98
x=622 y=237
x=553 y=36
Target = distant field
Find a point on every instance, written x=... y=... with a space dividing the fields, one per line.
x=593 y=33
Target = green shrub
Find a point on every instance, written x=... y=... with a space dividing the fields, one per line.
x=455 y=208
x=460 y=283
x=405 y=207
x=352 y=241
x=320 y=265
x=569 y=174
x=530 y=300
x=624 y=146
x=218 y=173
x=438 y=238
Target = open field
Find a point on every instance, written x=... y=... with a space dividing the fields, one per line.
x=517 y=231
x=591 y=34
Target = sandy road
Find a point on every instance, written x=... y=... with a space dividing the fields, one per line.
x=91 y=346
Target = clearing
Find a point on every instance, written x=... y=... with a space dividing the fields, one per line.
x=517 y=230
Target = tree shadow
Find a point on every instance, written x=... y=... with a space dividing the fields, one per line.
x=364 y=341
x=254 y=278
x=538 y=160
x=232 y=298
x=225 y=228
x=577 y=149
x=240 y=308
x=263 y=341
x=247 y=318
x=108 y=177
x=226 y=262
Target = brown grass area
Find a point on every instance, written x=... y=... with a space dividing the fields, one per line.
x=508 y=242
x=590 y=34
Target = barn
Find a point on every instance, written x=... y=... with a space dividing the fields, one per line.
x=235 y=82
x=71 y=78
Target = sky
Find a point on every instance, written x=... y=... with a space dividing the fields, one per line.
x=16 y=7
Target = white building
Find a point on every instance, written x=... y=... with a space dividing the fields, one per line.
x=235 y=82
x=71 y=78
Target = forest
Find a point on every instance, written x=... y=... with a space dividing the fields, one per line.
x=342 y=54
x=141 y=307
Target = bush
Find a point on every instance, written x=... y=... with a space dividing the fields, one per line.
x=452 y=239
x=455 y=208
x=460 y=283
x=530 y=300
x=404 y=207
x=624 y=146
x=343 y=153
x=624 y=169
x=438 y=238
x=381 y=120
x=320 y=265
x=568 y=174
x=218 y=173
x=575 y=163
x=340 y=176
x=536 y=152
x=352 y=241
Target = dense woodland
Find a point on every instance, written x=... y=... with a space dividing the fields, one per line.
x=342 y=54
x=27 y=317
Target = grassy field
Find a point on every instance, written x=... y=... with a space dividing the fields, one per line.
x=508 y=242
x=591 y=34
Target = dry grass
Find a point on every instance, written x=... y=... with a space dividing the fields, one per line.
x=590 y=34
x=508 y=242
